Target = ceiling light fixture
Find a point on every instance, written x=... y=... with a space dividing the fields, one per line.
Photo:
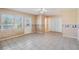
x=42 y=10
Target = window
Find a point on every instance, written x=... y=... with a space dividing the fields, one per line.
x=10 y=22
x=18 y=22
x=7 y=21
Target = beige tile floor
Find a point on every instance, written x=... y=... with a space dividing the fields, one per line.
x=40 y=41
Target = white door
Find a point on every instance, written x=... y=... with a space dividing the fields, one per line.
x=57 y=24
x=28 y=25
x=49 y=24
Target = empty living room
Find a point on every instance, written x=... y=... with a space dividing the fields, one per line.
x=39 y=29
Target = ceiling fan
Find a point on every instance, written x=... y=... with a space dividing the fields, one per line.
x=42 y=10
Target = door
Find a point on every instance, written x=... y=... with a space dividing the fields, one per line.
x=49 y=24
x=28 y=25
x=57 y=24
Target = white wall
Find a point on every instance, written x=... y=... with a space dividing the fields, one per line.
x=69 y=17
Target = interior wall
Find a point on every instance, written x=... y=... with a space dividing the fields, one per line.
x=69 y=18
x=34 y=18
x=78 y=24
x=40 y=23
x=46 y=24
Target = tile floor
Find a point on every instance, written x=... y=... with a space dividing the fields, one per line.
x=40 y=41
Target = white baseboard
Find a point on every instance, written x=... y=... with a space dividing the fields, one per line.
x=11 y=37
x=70 y=36
x=15 y=36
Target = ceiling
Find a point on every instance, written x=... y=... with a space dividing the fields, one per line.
x=50 y=11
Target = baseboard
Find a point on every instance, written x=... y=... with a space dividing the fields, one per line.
x=74 y=37
x=11 y=37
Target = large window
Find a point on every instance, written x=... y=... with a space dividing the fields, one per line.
x=7 y=22
x=18 y=22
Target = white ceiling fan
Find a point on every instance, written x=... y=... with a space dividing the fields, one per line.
x=42 y=10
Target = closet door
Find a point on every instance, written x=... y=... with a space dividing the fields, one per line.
x=28 y=25
x=57 y=24
x=49 y=24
